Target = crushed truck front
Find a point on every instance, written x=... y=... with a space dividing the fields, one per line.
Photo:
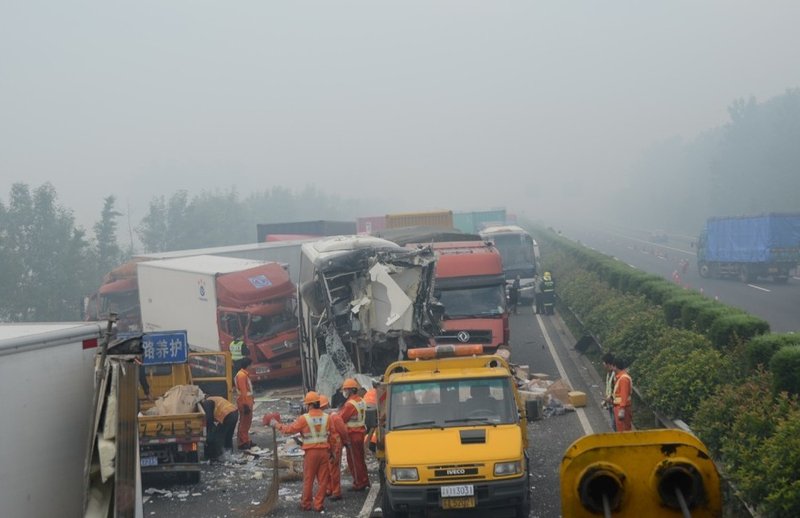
x=452 y=435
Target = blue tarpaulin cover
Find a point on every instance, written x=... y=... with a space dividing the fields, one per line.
x=753 y=239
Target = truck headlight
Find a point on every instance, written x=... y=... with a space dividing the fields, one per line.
x=502 y=469
x=404 y=474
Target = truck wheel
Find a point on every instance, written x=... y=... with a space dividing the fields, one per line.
x=745 y=275
x=704 y=270
x=190 y=477
x=781 y=279
x=386 y=507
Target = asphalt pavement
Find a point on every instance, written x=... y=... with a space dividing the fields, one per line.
x=237 y=485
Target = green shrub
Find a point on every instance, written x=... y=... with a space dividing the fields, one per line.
x=785 y=367
x=760 y=349
x=725 y=331
x=707 y=315
x=690 y=312
x=634 y=336
x=673 y=306
x=781 y=465
x=681 y=374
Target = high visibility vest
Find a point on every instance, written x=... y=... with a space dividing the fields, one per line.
x=222 y=408
x=361 y=414
x=548 y=286
x=236 y=350
x=317 y=429
x=617 y=398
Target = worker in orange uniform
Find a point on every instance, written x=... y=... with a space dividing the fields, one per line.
x=337 y=440
x=244 y=402
x=623 y=387
x=315 y=425
x=353 y=413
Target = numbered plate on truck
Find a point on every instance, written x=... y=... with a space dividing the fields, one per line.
x=457 y=491
x=148 y=461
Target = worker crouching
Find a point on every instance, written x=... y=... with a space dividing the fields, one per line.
x=315 y=427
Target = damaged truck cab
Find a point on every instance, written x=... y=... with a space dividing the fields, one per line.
x=452 y=434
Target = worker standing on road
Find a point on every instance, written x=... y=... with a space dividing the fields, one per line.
x=608 y=399
x=238 y=351
x=623 y=387
x=221 y=419
x=315 y=426
x=354 y=413
x=338 y=438
x=244 y=402
x=513 y=295
x=538 y=298
x=548 y=292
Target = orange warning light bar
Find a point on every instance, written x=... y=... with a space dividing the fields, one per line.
x=444 y=351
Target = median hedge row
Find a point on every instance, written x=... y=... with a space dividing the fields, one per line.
x=696 y=359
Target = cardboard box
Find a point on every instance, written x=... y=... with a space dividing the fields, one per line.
x=577 y=398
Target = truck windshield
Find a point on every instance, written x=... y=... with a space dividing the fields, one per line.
x=448 y=403
x=265 y=326
x=470 y=302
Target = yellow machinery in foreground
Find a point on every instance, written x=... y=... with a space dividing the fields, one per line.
x=655 y=473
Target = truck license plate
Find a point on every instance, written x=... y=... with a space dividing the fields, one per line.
x=457 y=491
x=464 y=502
x=149 y=461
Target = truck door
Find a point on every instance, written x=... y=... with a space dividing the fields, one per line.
x=211 y=371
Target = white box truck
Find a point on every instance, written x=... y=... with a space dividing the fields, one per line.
x=216 y=299
x=47 y=380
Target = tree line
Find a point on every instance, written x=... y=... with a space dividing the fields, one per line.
x=49 y=264
x=750 y=165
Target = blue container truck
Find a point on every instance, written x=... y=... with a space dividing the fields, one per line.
x=749 y=247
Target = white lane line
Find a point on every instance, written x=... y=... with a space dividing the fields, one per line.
x=759 y=288
x=587 y=428
x=795 y=277
x=666 y=247
x=632 y=266
x=366 y=510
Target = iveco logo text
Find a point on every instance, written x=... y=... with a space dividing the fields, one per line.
x=456 y=471
x=463 y=337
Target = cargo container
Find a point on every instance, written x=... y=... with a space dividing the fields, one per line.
x=441 y=219
x=370 y=224
x=749 y=247
x=316 y=228
x=473 y=222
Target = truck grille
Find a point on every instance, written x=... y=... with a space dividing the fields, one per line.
x=465 y=336
x=456 y=472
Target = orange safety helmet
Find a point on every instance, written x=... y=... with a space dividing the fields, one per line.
x=311 y=397
x=350 y=383
x=323 y=401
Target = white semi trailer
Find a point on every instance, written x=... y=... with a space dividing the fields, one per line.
x=47 y=384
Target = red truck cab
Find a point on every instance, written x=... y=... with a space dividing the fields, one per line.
x=471 y=285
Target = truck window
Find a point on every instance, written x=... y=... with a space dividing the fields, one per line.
x=231 y=324
x=265 y=326
x=515 y=249
x=450 y=403
x=473 y=302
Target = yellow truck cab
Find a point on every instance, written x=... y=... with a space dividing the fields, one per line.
x=452 y=434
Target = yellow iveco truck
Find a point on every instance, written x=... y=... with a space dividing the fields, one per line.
x=452 y=434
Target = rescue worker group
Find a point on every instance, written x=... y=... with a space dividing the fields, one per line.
x=325 y=434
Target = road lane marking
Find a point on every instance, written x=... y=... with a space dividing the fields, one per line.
x=587 y=428
x=687 y=252
x=366 y=510
x=759 y=288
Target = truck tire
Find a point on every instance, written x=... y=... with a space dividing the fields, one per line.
x=704 y=270
x=782 y=279
x=745 y=275
x=386 y=507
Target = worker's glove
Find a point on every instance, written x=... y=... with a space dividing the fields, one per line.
x=246 y=410
x=621 y=413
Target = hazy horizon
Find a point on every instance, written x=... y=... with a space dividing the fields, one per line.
x=418 y=105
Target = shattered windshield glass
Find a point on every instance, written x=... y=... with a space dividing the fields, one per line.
x=446 y=403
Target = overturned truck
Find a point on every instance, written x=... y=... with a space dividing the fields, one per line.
x=363 y=302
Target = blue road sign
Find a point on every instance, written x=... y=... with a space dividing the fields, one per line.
x=164 y=348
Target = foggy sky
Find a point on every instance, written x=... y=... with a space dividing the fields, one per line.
x=422 y=105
